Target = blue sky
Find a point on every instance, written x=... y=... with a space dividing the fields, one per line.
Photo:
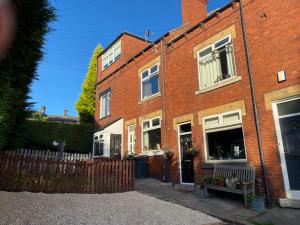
x=81 y=25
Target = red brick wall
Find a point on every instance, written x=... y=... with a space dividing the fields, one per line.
x=273 y=36
x=193 y=11
x=129 y=47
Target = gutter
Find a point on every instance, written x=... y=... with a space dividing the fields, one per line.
x=255 y=108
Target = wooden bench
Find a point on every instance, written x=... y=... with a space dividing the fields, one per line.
x=245 y=175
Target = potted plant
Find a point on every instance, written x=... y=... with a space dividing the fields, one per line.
x=231 y=182
x=207 y=180
x=256 y=203
x=191 y=151
x=168 y=154
x=219 y=181
x=200 y=191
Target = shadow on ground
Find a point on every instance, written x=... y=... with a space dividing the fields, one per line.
x=226 y=207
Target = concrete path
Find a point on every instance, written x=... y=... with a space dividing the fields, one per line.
x=224 y=208
x=131 y=208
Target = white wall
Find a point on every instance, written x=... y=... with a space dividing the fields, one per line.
x=115 y=128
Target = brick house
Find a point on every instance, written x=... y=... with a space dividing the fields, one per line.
x=191 y=87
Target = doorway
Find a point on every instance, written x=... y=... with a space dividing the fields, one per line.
x=287 y=121
x=186 y=161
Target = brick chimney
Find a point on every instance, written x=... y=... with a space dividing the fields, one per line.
x=193 y=11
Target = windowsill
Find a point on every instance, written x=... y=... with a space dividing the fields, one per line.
x=150 y=98
x=210 y=164
x=153 y=153
x=102 y=118
x=219 y=85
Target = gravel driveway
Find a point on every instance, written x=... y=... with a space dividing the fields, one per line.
x=127 y=208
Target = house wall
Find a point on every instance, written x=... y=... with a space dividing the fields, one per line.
x=273 y=38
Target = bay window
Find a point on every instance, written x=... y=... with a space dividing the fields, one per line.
x=151 y=134
x=216 y=63
x=150 y=82
x=224 y=137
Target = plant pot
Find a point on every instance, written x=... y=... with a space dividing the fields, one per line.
x=201 y=194
x=258 y=204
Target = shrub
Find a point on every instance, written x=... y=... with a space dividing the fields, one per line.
x=40 y=135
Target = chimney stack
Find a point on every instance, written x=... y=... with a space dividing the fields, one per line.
x=65 y=111
x=43 y=110
x=193 y=11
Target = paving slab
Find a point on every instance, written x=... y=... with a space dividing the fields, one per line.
x=222 y=207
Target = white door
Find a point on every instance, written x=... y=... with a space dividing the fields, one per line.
x=131 y=139
x=287 y=121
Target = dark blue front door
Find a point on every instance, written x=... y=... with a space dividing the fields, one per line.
x=187 y=165
x=290 y=131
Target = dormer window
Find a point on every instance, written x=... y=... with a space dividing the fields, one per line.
x=111 y=55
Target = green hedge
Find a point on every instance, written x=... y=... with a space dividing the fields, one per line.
x=78 y=137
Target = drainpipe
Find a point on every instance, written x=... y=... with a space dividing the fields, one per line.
x=254 y=105
x=163 y=90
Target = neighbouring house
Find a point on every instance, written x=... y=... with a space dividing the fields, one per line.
x=191 y=87
x=65 y=118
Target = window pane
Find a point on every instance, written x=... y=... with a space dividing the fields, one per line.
x=153 y=69
x=222 y=42
x=289 y=107
x=232 y=118
x=223 y=62
x=146 y=124
x=152 y=140
x=212 y=122
x=131 y=128
x=154 y=84
x=150 y=86
x=185 y=128
x=145 y=74
x=205 y=52
x=98 y=151
x=226 y=145
x=155 y=122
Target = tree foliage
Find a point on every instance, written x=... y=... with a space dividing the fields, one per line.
x=18 y=68
x=85 y=104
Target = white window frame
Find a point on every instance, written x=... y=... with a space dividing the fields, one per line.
x=115 y=56
x=199 y=59
x=222 y=127
x=98 y=139
x=149 y=77
x=131 y=133
x=107 y=96
x=155 y=151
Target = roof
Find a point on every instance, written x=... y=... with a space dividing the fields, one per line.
x=117 y=38
x=209 y=17
x=108 y=124
x=53 y=118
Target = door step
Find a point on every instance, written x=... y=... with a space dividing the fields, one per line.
x=289 y=203
x=184 y=187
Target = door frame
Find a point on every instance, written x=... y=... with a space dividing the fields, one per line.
x=128 y=139
x=179 y=149
x=290 y=194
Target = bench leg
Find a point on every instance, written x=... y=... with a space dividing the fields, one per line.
x=245 y=199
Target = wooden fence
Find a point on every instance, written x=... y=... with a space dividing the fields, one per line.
x=19 y=173
x=49 y=155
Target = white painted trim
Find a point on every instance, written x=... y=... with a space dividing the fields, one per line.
x=150 y=152
x=179 y=150
x=221 y=127
x=290 y=194
x=128 y=139
x=143 y=79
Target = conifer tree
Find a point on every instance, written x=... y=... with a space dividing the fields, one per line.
x=85 y=104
